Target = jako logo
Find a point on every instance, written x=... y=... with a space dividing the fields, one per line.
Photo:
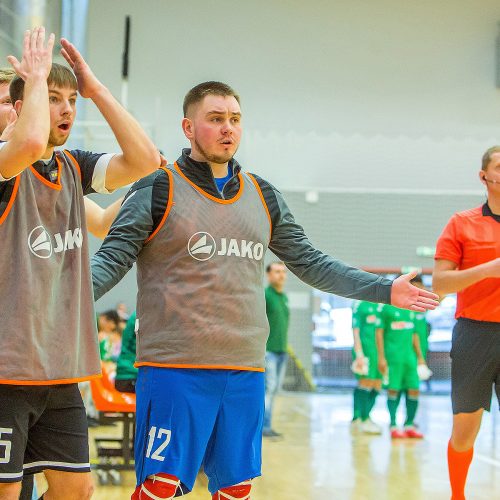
x=40 y=242
x=202 y=246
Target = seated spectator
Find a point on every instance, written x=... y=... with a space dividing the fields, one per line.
x=126 y=373
x=107 y=324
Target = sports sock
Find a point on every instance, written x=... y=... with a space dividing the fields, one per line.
x=411 y=409
x=240 y=491
x=364 y=403
x=373 y=397
x=355 y=399
x=458 y=467
x=392 y=405
x=159 y=486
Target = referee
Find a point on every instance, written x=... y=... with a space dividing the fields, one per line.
x=468 y=262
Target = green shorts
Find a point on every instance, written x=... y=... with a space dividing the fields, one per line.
x=403 y=375
x=372 y=355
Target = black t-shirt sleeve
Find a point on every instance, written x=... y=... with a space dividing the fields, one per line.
x=87 y=162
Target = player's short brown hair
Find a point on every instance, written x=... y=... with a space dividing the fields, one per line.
x=6 y=75
x=198 y=93
x=487 y=156
x=59 y=76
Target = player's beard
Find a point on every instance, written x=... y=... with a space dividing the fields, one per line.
x=55 y=141
x=220 y=159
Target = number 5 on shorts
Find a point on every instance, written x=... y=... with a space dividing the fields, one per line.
x=152 y=436
x=5 y=445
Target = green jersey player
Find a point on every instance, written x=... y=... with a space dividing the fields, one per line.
x=365 y=321
x=399 y=354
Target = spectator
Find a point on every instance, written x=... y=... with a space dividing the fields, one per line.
x=277 y=343
x=126 y=373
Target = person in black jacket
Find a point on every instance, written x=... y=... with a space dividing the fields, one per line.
x=198 y=230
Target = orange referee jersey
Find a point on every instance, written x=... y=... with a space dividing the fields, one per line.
x=471 y=238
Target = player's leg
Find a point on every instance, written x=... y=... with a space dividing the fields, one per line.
x=377 y=387
x=373 y=383
x=411 y=383
x=239 y=491
x=475 y=366
x=394 y=388
x=68 y=485
x=234 y=453
x=17 y=404
x=58 y=445
x=367 y=386
x=10 y=491
x=173 y=428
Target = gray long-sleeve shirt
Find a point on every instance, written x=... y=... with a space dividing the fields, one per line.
x=145 y=204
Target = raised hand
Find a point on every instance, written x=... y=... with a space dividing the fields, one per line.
x=36 y=61
x=407 y=296
x=11 y=123
x=88 y=84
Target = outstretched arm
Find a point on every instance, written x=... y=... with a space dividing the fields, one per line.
x=99 y=219
x=139 y=156
x=290 y=243
x=28 y=138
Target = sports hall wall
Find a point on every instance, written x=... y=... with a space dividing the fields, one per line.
x=381 y=109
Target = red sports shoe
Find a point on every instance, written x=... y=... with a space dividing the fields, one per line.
x=397 y=434
x=412 y=433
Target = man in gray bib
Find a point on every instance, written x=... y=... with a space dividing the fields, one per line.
x=48 y=334
x=198 y=231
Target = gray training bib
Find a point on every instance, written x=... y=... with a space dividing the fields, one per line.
x=200 y=278
x=47 y=319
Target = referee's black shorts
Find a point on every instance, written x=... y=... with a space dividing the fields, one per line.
x=475 y=365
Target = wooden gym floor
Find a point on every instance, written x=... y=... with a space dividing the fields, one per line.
x=319 y=458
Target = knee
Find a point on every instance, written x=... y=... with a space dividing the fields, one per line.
x=81 y=490
x=462 y=441
x=240 y=491
x=10 y=491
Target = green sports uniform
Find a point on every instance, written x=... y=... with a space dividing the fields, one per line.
x=423 y=333
x=399 y=327
x=365 y=316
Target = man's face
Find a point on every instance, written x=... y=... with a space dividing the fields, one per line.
x=492 y=173
x=277 y=275
x=213 y=127
x=62 y=104
x=5 y=105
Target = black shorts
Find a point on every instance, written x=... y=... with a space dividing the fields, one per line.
x=42 y=427
x=475 y=365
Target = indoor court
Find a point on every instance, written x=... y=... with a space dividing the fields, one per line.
x=329 y=141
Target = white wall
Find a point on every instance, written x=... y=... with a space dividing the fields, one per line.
x=337 y=93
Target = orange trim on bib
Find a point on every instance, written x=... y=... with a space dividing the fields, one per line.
x=12 y=199
x=263 y=202
x=75 y=163
x=169 y=204
x=54 y=185
x=209 y=196
x=200 y=367
x=50 y=382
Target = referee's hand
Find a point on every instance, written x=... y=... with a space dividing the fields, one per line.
x=407 y=296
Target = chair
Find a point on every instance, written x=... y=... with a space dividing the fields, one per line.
x=114 y=453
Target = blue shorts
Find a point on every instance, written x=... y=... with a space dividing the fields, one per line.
x=188 y=418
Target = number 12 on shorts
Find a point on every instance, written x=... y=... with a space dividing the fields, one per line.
x=153 y=436
x=5 y=445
